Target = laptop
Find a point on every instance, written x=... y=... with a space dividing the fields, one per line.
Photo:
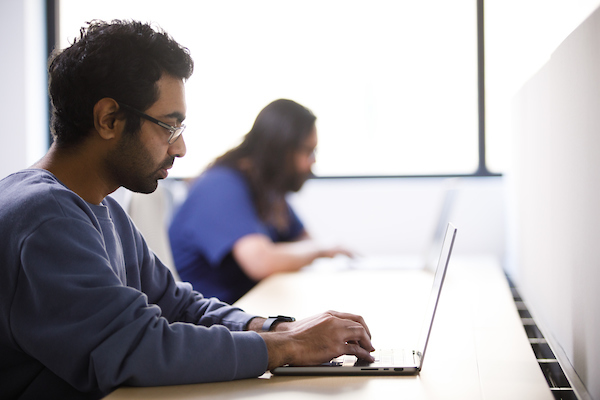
x=388 y=362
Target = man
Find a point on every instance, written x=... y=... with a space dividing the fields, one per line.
x=85 y=306
x=236 y=227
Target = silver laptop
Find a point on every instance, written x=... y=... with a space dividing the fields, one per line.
x=389 y=362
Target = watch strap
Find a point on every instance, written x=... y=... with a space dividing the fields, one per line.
x=271 y=321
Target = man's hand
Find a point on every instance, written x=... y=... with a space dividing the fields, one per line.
x=318 y=339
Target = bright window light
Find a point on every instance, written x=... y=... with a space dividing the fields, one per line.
x=393 y=83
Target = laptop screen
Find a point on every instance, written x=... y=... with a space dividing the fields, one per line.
x=438 y=280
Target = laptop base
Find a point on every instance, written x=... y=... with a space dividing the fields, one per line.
x=322 y=370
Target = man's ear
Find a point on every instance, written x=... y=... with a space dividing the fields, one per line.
x=106 y=122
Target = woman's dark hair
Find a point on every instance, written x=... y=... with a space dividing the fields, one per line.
x=122 y=60
x=266 y=156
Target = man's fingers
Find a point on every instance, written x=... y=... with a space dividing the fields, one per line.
x=357 y=335
x=351 y=317
x=358 y=351
x=328 y=335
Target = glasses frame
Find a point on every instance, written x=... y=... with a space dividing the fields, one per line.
x=175 y=131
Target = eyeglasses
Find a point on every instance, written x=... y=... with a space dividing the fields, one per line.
x=175 y=131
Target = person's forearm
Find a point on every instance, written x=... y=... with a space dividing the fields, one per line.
x=256 y=324
x=278 y=348
x=278 y=344
x=259 y=257
x=291 y=256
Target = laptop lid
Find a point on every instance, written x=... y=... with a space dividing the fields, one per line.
x=447 y=206
x=412 y=366
x=436 y=290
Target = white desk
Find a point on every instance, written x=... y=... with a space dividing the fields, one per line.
x=478 y=348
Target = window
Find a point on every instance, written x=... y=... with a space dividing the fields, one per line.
x=393 y=83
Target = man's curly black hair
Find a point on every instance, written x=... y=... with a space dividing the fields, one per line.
x=122 y=60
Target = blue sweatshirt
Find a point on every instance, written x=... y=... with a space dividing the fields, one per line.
x=86 y=307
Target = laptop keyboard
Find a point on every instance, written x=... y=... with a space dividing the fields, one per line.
x=385 y=356
x=390 y=356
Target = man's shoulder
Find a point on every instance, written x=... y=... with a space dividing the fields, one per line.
x=32 y=179
x=33 y=190
x=28 y=184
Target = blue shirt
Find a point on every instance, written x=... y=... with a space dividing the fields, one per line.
x=85 y=306
x=218 y=212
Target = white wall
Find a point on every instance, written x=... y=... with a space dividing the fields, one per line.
x=556 y=186
x=12 y=81
x=520 y=36
x=22 y=79
x=398 y=216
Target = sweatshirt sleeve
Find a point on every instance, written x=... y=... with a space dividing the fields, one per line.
x=177 y=300
x=73 y=312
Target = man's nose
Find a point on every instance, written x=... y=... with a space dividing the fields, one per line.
x=177 y=148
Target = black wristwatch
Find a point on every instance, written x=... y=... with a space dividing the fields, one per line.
x=271 y=321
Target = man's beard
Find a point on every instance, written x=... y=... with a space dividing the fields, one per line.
x=297 y=180
x=131 y=166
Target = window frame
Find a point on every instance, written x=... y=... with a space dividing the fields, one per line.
x=53 y=24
